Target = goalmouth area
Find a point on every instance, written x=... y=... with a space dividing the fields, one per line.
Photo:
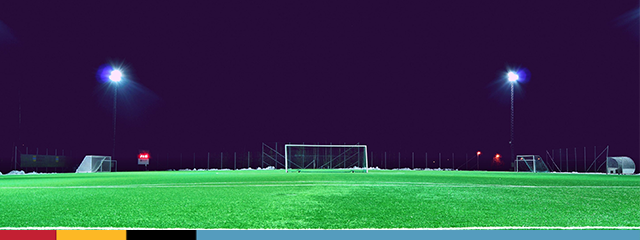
x=273 y=199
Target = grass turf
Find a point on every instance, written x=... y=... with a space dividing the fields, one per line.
x=277 y=200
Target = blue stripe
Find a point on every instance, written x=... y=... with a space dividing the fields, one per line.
x=418 y=234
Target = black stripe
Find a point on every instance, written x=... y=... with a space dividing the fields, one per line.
x=161 y=234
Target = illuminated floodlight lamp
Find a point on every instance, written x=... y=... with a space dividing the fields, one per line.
x=116 y=76
x=512 y=76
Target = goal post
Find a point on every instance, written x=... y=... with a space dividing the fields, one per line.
x=93 y=163
x=308 y=157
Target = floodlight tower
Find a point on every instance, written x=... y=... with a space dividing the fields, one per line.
x=115 y=77
x=513 y=78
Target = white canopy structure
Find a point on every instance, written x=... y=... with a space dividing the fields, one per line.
x=620 y=165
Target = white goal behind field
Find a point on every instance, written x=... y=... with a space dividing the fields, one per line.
x=93 y=163
x=308 y=157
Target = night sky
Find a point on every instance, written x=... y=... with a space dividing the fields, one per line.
x=399 y=76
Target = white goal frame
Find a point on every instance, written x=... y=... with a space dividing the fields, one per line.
x=531 y=162
x=94 y=163
x=286 y=149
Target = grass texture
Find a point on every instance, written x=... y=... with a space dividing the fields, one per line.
x=272 y=199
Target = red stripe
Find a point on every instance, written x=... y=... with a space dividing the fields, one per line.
x=28 y=234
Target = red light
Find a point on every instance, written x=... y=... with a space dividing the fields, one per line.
x=143 y=156
x=478 y=153
x=496 y=160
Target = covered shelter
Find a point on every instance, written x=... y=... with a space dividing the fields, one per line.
x=620 y=165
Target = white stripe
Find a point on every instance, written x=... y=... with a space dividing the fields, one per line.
x=315 y=183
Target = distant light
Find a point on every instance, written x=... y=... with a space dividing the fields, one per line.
x=512 y=77
x=496 y=159
x=478 y=153
x=143 y=156
x=116 y=76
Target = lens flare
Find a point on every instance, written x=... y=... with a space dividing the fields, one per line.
x=112 y=72
x=134 y=100
x=513 y=76
x=518 y=74
x=629 y=20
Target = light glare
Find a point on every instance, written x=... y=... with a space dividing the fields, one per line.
x=115 y=76
x=512 y=77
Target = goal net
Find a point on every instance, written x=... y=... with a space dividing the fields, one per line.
x=342 y=158
x=530 y=163
x=92 y=163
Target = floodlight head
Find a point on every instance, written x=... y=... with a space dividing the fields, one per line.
x=478 y=153
x=512 y=76
x=116 y=75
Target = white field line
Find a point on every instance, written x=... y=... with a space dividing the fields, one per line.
x=315 y=183
x=450 y=228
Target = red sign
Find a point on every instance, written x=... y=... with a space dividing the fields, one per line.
x=143 y=157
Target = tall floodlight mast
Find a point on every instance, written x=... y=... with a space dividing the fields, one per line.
x=513 y=78
x=115 y=77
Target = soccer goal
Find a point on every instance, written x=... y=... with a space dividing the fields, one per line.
x=325 y=158
x=92 y=163
x=530 y=163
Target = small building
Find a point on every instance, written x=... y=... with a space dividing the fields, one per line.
x=620 y=165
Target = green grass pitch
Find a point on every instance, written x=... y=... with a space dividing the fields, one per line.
x=272 y=199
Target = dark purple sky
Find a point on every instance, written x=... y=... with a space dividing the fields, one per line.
x=421 y=76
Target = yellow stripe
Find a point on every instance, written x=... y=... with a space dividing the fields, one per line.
x=91 y=234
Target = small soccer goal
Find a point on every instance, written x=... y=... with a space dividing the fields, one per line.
x=92 y=163
x=530 y=163
x=325 y=158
